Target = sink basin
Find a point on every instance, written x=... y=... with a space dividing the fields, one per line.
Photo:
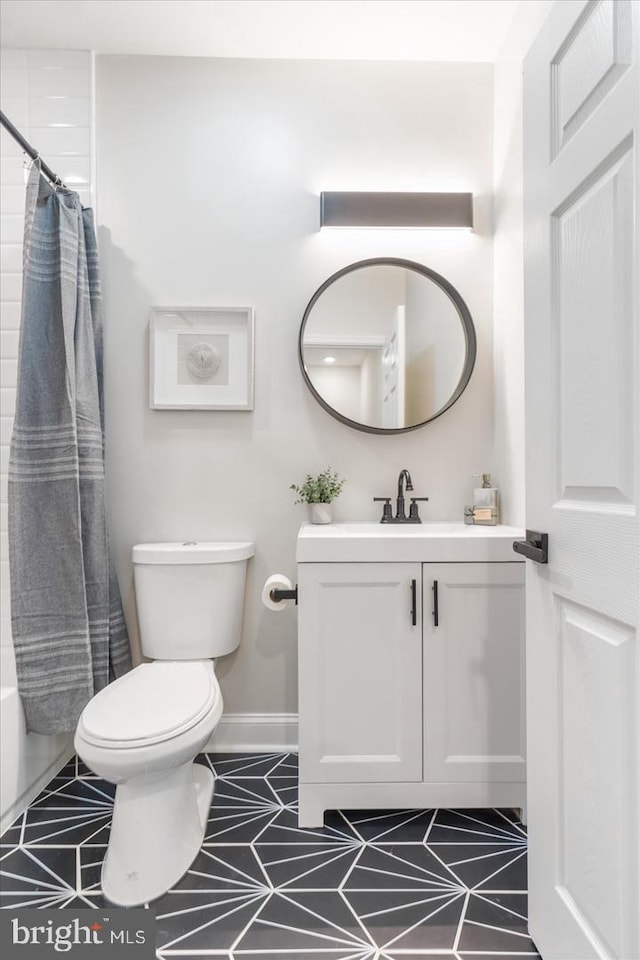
x=366 y=528
x=445 y=541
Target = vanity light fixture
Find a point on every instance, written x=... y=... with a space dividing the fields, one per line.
x=415 y=210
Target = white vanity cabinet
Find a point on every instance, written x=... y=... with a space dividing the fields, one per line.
x=396 y=710
x=473 y=673
x=360 y=664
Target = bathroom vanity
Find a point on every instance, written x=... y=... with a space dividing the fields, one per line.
x=411 y=667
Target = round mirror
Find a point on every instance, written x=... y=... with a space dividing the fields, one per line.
x=386 y=345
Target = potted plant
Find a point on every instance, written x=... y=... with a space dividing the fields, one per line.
x=319 y=492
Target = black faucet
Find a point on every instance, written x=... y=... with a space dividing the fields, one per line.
x=404 y=475
x=404 y=484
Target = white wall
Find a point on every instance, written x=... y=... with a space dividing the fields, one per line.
x=432 y=321
x=362 y=303
x=47 y=94
x=341 y=387
x=508 y=291
x=209 y=175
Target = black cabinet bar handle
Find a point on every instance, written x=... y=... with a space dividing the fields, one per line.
x=414 y=607
x=435 y=603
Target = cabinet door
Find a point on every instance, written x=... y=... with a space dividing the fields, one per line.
x=474 y=672
x=360 y=667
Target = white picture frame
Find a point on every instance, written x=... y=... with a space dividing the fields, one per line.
x=201 y=358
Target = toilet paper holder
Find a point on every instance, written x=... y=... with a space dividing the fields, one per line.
x=278 y=594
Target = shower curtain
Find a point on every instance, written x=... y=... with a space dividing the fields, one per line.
x=69 y=633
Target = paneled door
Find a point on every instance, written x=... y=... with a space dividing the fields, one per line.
x=581 y=127
x=393 y=379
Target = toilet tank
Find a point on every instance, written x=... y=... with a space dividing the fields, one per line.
x=190 y=598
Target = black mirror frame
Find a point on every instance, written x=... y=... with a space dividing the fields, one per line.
x=467 y=327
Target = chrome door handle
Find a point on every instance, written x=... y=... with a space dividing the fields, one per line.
x=535 y=547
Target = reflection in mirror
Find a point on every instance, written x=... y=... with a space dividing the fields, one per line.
x=387 y=345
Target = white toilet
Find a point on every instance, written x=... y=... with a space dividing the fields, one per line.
x=143 y=731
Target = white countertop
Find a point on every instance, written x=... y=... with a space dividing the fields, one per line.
x=428 y=542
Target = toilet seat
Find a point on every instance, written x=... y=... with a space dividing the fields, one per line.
x=153 y=703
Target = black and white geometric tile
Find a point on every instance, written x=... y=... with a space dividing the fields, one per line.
x=369 y=885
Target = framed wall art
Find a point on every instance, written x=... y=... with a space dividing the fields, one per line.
x=201 y=358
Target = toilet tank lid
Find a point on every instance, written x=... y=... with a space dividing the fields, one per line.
x=202 y=551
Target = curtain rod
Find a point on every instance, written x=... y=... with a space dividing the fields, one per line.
x=28 y=149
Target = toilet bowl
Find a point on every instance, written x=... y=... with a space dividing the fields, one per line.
x=143 y=731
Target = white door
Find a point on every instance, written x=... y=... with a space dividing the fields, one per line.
x=393 y=366
x=473 y=657
x=581 y=127
x=360 y=672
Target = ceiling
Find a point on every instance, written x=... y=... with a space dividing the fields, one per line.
x=454 y=30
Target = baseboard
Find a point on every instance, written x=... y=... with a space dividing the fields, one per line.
x=255 y=733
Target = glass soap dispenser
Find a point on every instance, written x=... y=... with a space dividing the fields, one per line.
x=486 y=502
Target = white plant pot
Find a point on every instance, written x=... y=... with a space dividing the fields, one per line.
x=320 y=513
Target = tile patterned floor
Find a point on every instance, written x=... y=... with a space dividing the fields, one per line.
x=380 y=885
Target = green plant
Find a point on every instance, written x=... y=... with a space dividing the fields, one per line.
x=323 y=488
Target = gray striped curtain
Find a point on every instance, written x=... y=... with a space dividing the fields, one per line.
x=68 y=628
